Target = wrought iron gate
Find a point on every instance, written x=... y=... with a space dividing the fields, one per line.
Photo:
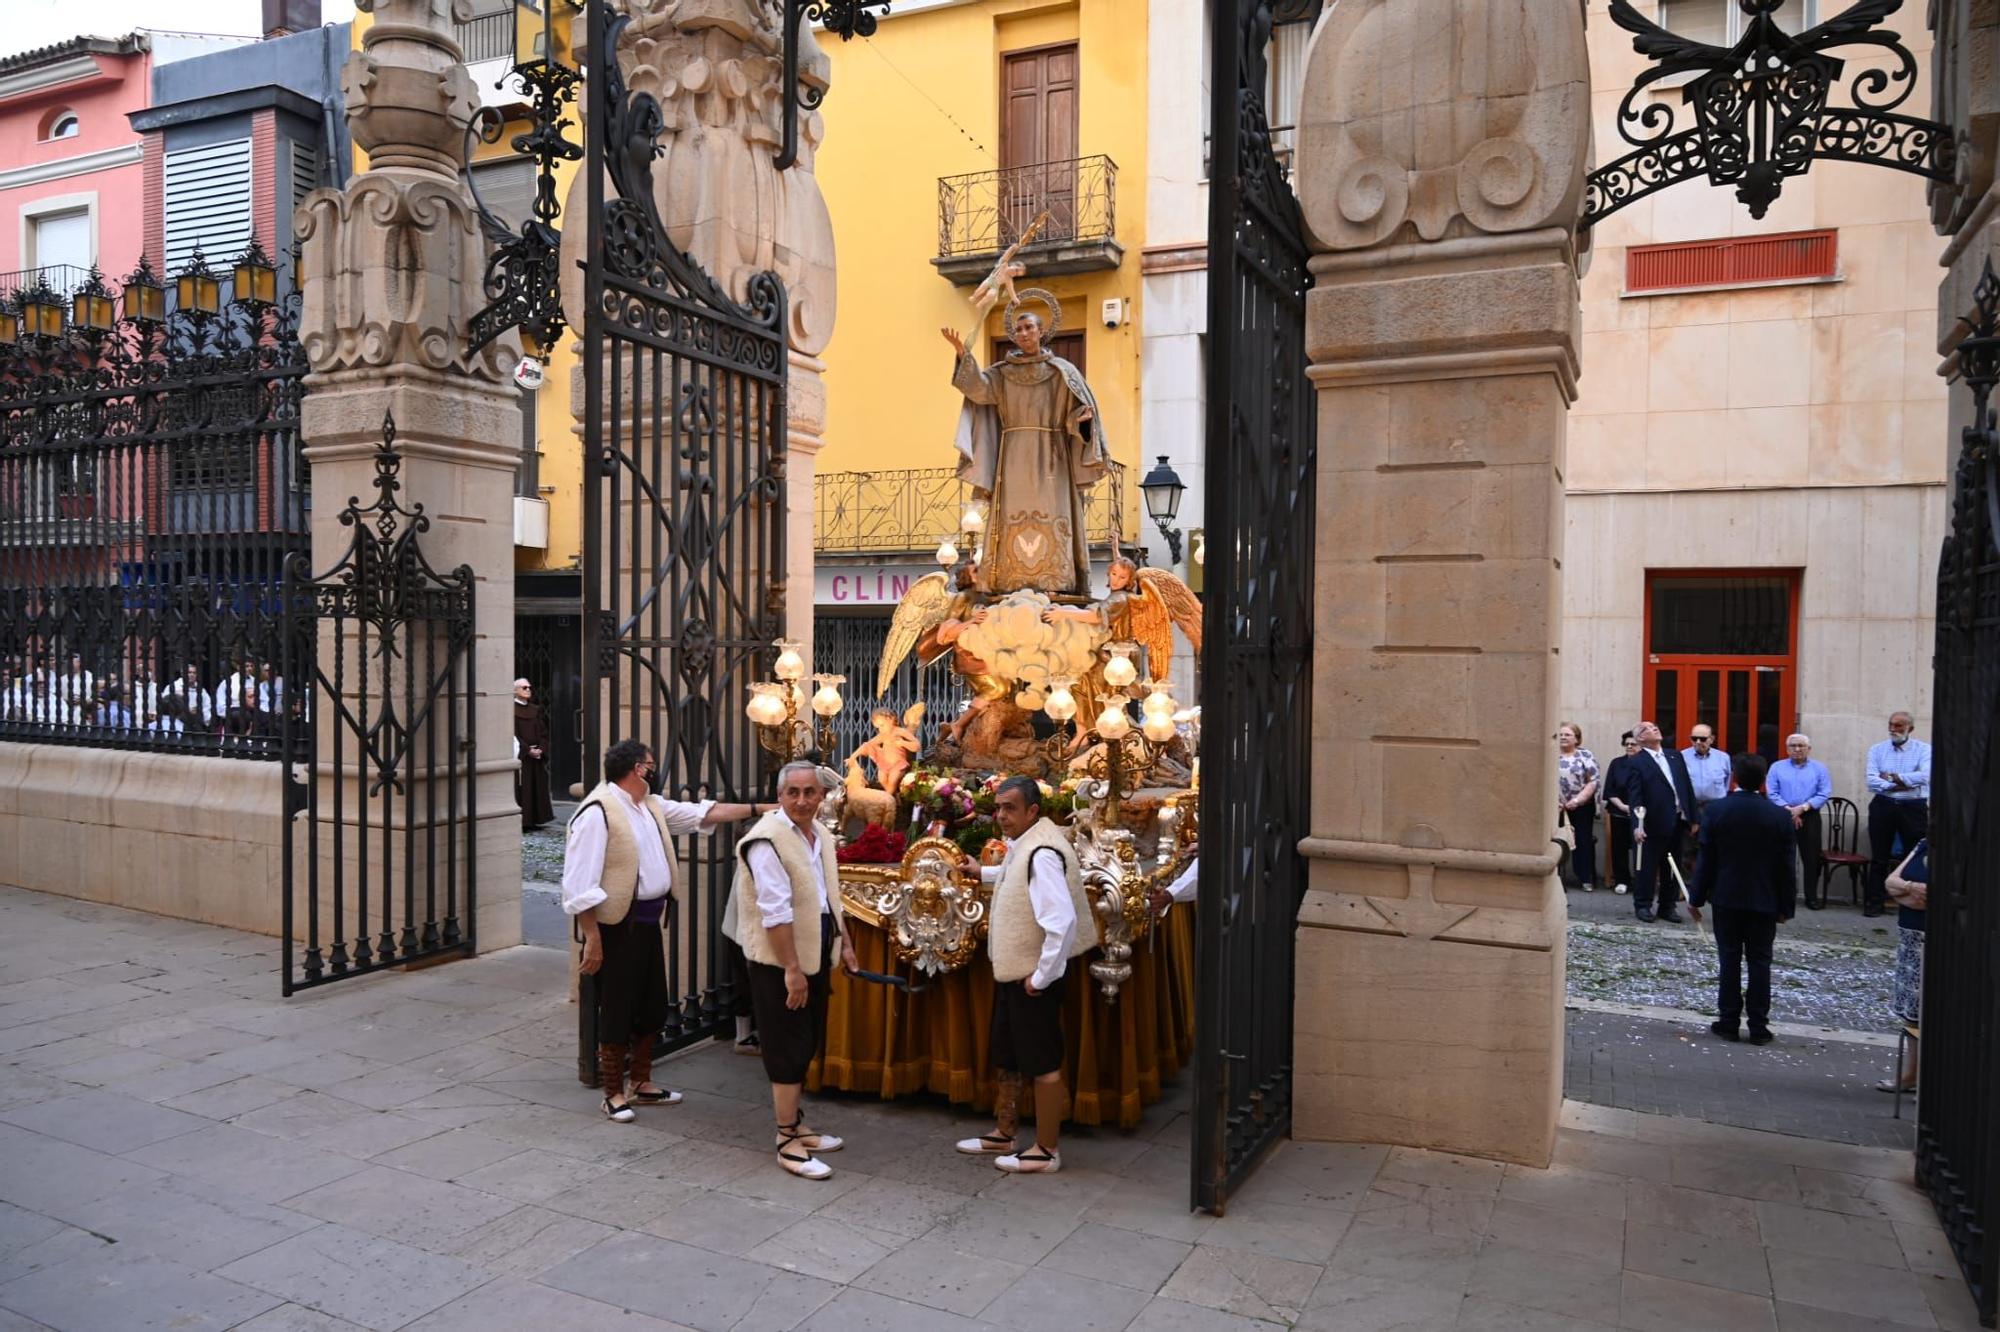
x=379 y=863
x=1258 y=649
x=684 y=515
x=1958 y=1152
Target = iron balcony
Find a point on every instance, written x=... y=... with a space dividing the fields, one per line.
x=982 y=214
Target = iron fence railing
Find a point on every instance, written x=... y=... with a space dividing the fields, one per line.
x=987 y=211
x=911 y=510
x=151 y=486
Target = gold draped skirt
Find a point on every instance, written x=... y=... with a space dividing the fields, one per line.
x=881 y=1040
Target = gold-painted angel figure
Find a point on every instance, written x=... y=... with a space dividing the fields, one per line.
x=1143 y=606
x=931 y=618
x=894 y=746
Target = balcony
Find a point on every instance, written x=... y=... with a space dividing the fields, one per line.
x=63 y=279
x=488 y=43
x=909 y=511
x=982 y=214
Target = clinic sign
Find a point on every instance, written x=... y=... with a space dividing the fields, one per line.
x=865 y=586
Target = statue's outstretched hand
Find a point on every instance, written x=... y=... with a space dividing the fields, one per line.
x=1080 y=415
x=951 y=335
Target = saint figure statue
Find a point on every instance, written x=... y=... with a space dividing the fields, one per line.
x=1030 y=445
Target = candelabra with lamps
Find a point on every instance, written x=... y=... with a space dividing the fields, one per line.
x=774 y=707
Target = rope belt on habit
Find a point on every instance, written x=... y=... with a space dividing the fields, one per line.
x=1040 y=430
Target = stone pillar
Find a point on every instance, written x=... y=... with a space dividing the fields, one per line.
x=391 y=272
x=1441 y=175
x=1965 y=86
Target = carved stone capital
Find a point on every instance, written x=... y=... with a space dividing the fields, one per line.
x=409 y=98
x=393 y=268
x=1422 y=123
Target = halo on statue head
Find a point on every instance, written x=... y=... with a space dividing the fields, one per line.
x=1026 y=294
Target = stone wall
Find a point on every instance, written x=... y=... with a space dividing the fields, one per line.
x=174 y=834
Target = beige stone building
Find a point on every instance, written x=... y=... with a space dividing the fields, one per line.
x=1756 y=458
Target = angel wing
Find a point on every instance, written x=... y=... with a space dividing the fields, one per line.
x=921 y=610
x=1169 y=601
x=913 y=715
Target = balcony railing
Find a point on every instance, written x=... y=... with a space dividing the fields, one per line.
x=911 y=510
x=487 y=37
x=982 y=214
x=63 y=279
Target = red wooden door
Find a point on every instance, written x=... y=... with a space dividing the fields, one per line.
x=1722 y=648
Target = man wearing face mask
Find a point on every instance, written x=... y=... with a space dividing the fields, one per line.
x=1899 y=779
x=620 y=878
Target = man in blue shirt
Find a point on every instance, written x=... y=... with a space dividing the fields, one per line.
x=1899 y=783
x=1708 y=767
x=1802 y=785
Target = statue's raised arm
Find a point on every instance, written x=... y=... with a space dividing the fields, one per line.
x=1029 y=437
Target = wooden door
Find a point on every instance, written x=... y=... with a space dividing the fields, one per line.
x=1069 y=346
x=1038 y=145
x=1722 y=648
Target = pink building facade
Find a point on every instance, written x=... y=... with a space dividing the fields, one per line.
x=71 y=165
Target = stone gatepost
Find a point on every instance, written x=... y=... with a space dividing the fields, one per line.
x=1441 y=173
x=391 y=272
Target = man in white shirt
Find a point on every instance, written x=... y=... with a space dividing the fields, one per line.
x=198 y=709
x=1899 y=796
x=78 y=684
x=619 y=871
x=1037 y=920
x=785 y=913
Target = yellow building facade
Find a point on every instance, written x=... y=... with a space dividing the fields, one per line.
x=948 y=131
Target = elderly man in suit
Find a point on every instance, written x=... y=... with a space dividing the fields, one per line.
x=1745 y=872
x=1656 y=781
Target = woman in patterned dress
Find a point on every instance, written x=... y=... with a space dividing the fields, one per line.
x=1576 y=788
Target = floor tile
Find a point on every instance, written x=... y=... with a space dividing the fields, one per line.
x=399 y=1206
x=855 y=1310
x=908 y=1210
x=450 y=1155
x=1557 y=1230
x=1443 y=1261
x=1016 y=1232
x=238 y=1096
x=513 y=1303
x=1047 y=1298
x=1480 y=1314
x=1165 y=1315
x=1849 y=1287
x=173 y=1219
x=1727 y=1264
x=1343 y=1302
x=1152 y=1210
x=1550 y=1282
x=1660 y=1304
x=1829 y=1234
x=836 y=1251
x=1250 y=1284
x=533 y=1176
x=131 y=1293
x=719 y=1222
x=374 y=1282
x=1650 y=1205
x=1566 y=1188
x=1737 y=1176
x=1122 y=1257
x=670 y=1281
x=926 y=1272
x=293 y=1318
x=529 y=1241
x=39 y=1172
x=787 y=1299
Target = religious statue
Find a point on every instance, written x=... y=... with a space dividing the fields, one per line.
x=1143 y=606
x=894 y=747
x=1030 y=445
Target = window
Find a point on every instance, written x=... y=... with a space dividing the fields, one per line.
x=507 y=186
x=1721 y=22
x=1799 y=256
x=61 y=241
x=62 y=124
x=207 y=203
x=1720 y=650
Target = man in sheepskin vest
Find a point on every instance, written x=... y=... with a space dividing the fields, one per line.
x=1038 y=919
x=785 y=914
x=619 y=880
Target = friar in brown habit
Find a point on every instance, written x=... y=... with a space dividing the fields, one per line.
x=532 y=739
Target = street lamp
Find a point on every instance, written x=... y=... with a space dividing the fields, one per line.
x=256 y=276
x=195 y=287
x=145 y=296
x=41 y=311
x=1163 y=490
x=91 y=306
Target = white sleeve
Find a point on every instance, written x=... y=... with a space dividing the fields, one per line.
x=774 y=889
x=684 y=817
x=989 y=874
x=1048 y=890
x=583 y=861
x=1182 y=888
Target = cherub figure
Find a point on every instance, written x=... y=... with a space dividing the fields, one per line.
x=1143 y=606
x=999 y=284
x=894 y=747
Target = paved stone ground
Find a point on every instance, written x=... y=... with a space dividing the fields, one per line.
x=1814 y=1087
x=180 y=1148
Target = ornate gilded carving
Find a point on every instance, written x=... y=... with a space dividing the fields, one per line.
x=934 y=916
x=1422 y=122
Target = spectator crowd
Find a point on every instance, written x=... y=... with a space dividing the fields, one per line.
x=249 y=701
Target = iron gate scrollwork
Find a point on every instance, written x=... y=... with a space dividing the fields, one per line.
x=1258 y=603
x=684 y=516
x=378 y=861
x=1958 y=1153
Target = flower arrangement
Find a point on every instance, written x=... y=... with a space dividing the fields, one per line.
x=875 y=846
x=936 y=797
